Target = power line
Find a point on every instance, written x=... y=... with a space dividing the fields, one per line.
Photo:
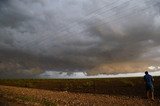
x=121 y=16
x=82 y=20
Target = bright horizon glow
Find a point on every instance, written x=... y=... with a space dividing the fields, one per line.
x=62 y=75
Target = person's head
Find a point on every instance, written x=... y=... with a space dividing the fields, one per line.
x=146 y=72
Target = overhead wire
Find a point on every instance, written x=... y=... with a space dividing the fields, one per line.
x=93 y=12
x=107 y=22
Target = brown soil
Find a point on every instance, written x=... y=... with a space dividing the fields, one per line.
x=14 y=96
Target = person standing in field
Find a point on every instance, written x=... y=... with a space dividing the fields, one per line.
x=149 y=85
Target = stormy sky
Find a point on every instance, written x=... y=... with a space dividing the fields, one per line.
x=81 y=33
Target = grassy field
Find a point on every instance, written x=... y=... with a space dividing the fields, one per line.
x=111 y=86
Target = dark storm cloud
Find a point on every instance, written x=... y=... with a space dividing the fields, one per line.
x=80 y=33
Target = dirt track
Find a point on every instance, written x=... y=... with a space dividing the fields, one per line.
x=25 y=96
